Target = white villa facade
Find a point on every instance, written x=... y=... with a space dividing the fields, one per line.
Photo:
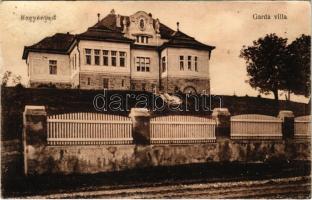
x=119 y=52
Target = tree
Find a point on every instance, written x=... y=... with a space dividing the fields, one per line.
x=265 y=61
x=11 y=79
x=5 y=78
x=16 y=79
x=297 y=74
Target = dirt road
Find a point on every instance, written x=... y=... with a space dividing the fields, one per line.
x=293 y=187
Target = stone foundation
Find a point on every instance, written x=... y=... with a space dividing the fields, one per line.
x=115 y=82
x=170 y=85
x=41 y=158
x=106 y=158
x=33 y=84
x=150 y=85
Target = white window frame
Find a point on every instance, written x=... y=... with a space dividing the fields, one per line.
x=181 y=63
x=143 y=64
x=88 y=55
x=97 y=55
x=189 y=63
x=53 y=67
x=113 y=56
x=124 y=56
x=104 y=55
x=196 y=63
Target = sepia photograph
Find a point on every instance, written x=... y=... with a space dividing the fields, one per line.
x=155 y=99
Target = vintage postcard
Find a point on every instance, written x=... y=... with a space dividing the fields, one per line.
x=155 y=99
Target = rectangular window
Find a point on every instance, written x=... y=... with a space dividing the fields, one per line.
x=138 y=38
x=146 y=40
x=132 y=86
x=138 y=64
x=88 y=56
x=181 y=63
x=142 y=39
x=53 y=66
x=195 y=64
x=105 y=57
x=163 y=64
x=122 y=83
x=147 y=64
x=143 y=64
x=96 y=56
x=89 y=81
x=105 y=83
x=114 y=58
x=122 y=59
x=189 y=62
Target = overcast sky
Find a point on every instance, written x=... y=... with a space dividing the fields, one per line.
x=226 y=25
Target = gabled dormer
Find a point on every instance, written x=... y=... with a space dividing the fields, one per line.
x=143 y=29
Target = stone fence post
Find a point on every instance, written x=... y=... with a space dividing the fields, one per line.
x=34 y=133
x=222 y=117
x=141 y=125
x=287 y=116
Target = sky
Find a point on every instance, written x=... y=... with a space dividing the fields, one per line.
x=224 y=24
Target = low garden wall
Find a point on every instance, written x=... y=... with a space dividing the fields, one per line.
x=40 y=158
x=93 y=159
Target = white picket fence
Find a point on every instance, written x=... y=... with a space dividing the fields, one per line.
x=252 y=126
x=88 y=129
x=182 y=129
x=303 y=127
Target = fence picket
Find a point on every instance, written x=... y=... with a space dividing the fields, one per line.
x=88 y=128
x=182 y=129
x=252 y=126
x=303 y=127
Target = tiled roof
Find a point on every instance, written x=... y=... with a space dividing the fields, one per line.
x=176 y=38
x=109 y=22
x=58 y=43
x=103 y=35
x=106 y=30
x=180 y=39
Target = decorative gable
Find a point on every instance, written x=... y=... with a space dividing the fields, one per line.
x=143 y=29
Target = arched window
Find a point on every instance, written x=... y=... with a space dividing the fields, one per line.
x=142 y=24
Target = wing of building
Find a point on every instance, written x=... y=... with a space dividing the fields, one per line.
x=134 y=52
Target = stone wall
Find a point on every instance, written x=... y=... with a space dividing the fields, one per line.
x=150 y=85
x=200 y=85
x=36 y=84
x=115 y=82
x=94 y=159
x=40 y=158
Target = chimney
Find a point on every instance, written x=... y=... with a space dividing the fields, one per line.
x=112 y=12
x=118 y=21
x=178 y=26
x=98 y=15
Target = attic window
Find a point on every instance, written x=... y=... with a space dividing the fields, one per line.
x=142 y=24
x=142 y=39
